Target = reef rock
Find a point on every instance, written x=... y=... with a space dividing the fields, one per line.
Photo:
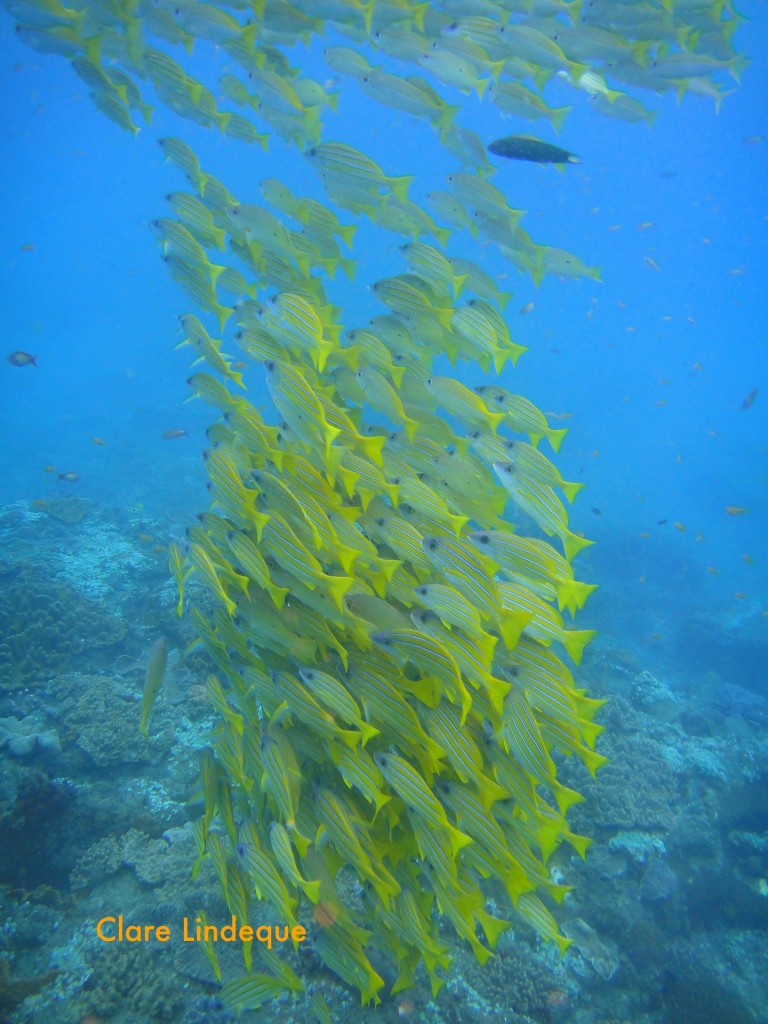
x=22 y=735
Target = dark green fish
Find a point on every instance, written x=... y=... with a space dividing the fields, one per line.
x=528 y=147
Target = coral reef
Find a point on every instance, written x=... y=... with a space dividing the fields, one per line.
x=44 y=623
x=517 y=978
x=106 y=726
x=14 y=991
x=155 y=861
x=720 y=979
x=638 y=789
x=134 y=982
x=68 y=510
x=592 y=948
x=98 y=863
x=207 y=1010
x=659 y=882
x=36 y=833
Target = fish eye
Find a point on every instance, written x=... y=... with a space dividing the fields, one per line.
x=484 y=538
x=480 y=390
x=420 y=476
x=423 y=591
x=379 y=522
x=509 y=445
x=499 y=399
x=269 y=365
x=308 y=673
x=428 y=380
x=509 y=469
x=433 y=545
x=513 y=671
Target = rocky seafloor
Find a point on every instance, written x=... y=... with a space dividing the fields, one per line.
x=669 y=914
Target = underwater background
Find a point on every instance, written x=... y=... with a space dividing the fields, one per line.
x=652 y=369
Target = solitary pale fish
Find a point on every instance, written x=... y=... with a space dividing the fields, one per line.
x=158 y=659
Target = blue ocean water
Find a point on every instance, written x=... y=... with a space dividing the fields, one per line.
x=649 y=368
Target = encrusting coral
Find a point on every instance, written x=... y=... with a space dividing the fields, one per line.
x=44 y=623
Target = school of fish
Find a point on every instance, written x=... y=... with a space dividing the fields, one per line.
x=390 y=652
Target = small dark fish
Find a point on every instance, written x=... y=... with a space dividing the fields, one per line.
x=22 y=359
x=749 y=400
x=662 y=522
x=528 y=147
x=596 y=511
x=71 y=478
